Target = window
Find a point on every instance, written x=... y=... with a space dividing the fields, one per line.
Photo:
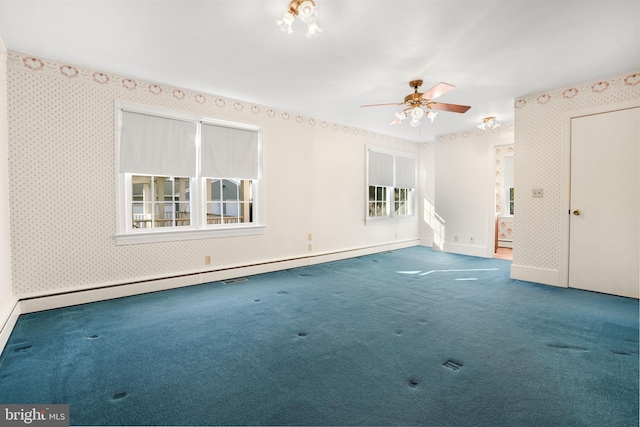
x=160 y=201
x=390 y=174
x=229 y=201
x=511 y=201
x=405 y=182
x=403 y=201
x=181 y=176
x=508 y=184
x=378 y=201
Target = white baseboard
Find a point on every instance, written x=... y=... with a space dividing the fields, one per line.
x=337 y=256
x=537 y=275
x=505 y=243
x=8 y=321
x=471 y=250
x=404 y=244
x=426 y=241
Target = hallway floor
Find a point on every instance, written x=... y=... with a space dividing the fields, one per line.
x=504 y=253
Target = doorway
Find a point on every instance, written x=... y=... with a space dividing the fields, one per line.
x=504 y=201
x=604 y=224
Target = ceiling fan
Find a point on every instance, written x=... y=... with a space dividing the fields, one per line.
x=416 y=101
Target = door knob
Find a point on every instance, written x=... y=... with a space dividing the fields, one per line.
x=577 y=212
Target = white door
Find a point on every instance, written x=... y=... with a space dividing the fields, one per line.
x=604 y=228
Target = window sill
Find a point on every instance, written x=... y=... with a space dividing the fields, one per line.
x=388 y=220
x=179 y=235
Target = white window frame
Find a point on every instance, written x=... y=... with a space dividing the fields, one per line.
x=508 y=160
x=392 y=217
x=199 y=229
x=408 y=200
x=387 y=198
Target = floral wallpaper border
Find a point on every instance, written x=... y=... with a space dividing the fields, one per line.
x=615 y=84
x=477 y=132
x=35 y=64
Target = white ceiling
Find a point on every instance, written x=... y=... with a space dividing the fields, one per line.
x=493 y=51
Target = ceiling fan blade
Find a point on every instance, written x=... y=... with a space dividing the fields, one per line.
x=382 y=105
x=438 y=90
x=454 y=108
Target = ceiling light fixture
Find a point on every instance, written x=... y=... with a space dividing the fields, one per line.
x=489 y=123
x=306 y=11
x=421 y=104
x=416 y=113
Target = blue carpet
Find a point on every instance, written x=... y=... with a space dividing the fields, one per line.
x=411 y=337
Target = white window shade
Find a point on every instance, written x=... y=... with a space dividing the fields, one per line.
x=380 y=169
x=229 y=152
x=157 y=145
x=405 y=172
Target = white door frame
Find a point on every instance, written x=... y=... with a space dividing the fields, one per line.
x=492 y=217
x=565 y=187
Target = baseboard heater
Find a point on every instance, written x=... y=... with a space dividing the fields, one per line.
x=505 y=243
x=70 y=297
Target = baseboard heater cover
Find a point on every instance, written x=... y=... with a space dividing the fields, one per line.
x=113 y=291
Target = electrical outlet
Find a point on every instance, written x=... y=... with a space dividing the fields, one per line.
x=310 y=237
x=310 y=246
x=536 y=193
x=207 y=260
x=455 y=238
x=471 y=240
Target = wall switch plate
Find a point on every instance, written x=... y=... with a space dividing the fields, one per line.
x=536 y=193
x=309 y=236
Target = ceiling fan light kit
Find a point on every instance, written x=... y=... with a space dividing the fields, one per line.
x=420 y=105
x=489 y=123
x=416 y=115
x=305 y=10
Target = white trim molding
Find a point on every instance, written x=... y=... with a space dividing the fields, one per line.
x=471 y=250
x=8 y=322
x=565 y=183
x=536 y=275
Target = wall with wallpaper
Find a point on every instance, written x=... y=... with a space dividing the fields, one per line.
x=541 y=124
x=6 y=297
x=464 y=189
x=62 y=182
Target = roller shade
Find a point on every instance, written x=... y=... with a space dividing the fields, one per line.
x=405 y=172
x=157 y=145
x=380 y=169
x=229 y=152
